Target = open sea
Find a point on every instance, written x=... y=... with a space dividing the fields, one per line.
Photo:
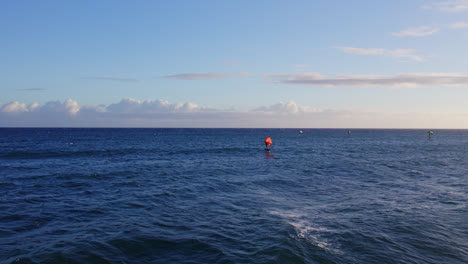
x=216 y=196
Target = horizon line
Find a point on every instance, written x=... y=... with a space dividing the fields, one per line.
x=316 y=128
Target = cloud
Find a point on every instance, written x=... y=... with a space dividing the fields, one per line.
x=134 y=113
x=205 y=76
x=198 y=76
x=126 y=113
x=458 y=25
x=417 y=32
x=68 y=106
x=111 y=79
x=449 y=6
x=33 y=107
x=130 y=105
x=360 y=51
x=14 y=107
x=401 y=80
x=397 y=53
x=287 y=108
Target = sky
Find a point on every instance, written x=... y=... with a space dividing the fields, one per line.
x=265 y=64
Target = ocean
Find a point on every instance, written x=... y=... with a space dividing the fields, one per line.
x=89 y=195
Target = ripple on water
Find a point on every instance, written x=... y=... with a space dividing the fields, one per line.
x=214 y=196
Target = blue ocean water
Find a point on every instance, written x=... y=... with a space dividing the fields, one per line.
x=216 y=196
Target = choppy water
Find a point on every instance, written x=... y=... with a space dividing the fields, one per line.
x=215 y=196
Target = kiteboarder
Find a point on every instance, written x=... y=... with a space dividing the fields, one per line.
x=268 y=143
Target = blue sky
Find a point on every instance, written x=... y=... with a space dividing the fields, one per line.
x=389 y=64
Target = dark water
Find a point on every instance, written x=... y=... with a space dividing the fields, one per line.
x=215 y=196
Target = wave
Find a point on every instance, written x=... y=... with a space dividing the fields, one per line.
x=306 y=229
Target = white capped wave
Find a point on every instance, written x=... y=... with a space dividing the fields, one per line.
x=307 y=230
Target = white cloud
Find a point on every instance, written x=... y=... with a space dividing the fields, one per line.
x=130 y=105
x=188 y=107
x=449 y=6
x=69 y=107
x=198 y=76
x=15 y=107
x=401 y=80
x=397 y=53
x=281 y=115
x=124 y=106
x=459 y=25
x=417 y=32
x=34 y=106
x=72 y=107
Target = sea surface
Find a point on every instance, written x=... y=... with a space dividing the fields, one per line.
x=216 y=196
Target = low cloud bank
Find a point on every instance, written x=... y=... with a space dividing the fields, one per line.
x=68 y=107
x=130 y=105
x=158 y=113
